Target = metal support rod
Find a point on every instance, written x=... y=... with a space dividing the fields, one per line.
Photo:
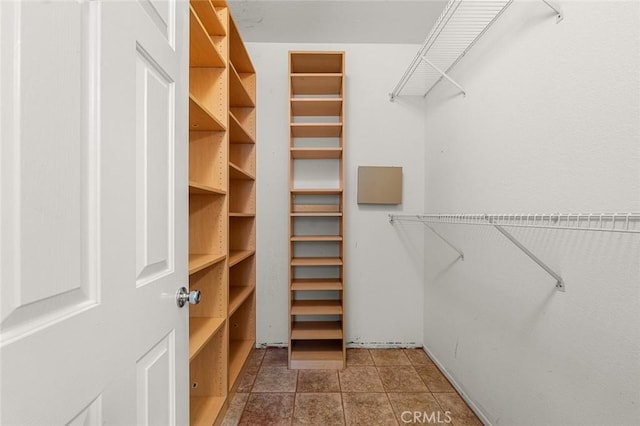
x=553 y=4
x=460 y=253
x=559 y=281
x=444 y=74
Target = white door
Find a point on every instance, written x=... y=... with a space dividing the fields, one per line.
x=93 y=212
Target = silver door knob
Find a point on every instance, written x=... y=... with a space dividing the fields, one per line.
x=183 y=296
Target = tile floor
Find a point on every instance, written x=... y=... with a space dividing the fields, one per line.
x=378 y=387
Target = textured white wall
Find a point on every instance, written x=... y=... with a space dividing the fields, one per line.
x=384 y=267
x=551 y=123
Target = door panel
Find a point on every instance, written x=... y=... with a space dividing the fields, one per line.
x=155 y=145
x=156 y=384
x=162 y=14
x=93 y=212
x=47 y=200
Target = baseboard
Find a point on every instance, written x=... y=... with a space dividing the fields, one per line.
x=481 y=415
x=363 y=345
x=383 y=345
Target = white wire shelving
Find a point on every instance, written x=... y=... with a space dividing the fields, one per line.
x=628 y=223
x=457 y=29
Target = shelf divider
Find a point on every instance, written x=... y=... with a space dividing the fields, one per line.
x=316 y=330
x=316 y=153
x=235 y=172
x=201 y=330
x=237 y=133
x=198 y=262
x=316 y=130
x=313 y=284
x=237 y=296
x=201 y=119
x=237 y=256
x=202 y=50
x=316 y=307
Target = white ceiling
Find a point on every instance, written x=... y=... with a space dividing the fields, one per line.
x=346 y=21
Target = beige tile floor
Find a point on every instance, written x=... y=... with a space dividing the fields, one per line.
x=378 y=387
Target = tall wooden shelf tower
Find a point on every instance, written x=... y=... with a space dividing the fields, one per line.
x=316 y=213
x=222 y=209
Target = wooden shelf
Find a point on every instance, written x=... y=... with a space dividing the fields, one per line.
x=200 y=119
x=316 y=330
x=316 y=191
x=317 y=354
x=316 y=153
x=318 y=107
x=316 y=130
x=199 y=189
x=237 y=256
x=316 y=261
x=237 y=133
x=298 y=238
x=237 y=295
x=208 y=16
x=317 y=62
x=198 y=262
x=201 y=330
x=316 y=214
x=204 y=410
x=242 y=215
x=316 y=84
x=239 y=351
x=311 y=284
x=202 y=51
x=239 y=95
x=238 y=52
x=316 y=307
x=308 y=208
x=236 y=172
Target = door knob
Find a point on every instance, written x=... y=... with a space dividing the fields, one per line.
x=183 y=296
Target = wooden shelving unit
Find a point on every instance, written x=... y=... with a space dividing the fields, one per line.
x=242 y=206
x=221 y=211
x=317 y=153
x=316 y=211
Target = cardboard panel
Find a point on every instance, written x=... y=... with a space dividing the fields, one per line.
x=379 y=185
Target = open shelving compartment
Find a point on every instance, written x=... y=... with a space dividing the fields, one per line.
x=242 y=336
x=208 y=379
x=316 y=211
x=221 y=208
x=242 y=206
x=208 y=206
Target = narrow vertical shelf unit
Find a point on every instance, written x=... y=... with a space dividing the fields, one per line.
x=221 y=216
x=316 y=210
x=242 y=205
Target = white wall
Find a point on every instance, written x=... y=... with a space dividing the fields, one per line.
x=384 y=267
x=551 y=123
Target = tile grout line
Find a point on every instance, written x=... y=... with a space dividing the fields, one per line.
x=252 y=385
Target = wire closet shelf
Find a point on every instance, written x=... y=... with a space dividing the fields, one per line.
x=604 y=222
x=457 y=29
x=628 y=223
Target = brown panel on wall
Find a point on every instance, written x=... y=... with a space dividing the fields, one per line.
x=379 y=185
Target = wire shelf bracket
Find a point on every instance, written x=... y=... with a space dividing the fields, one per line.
x=559 y=281
x=444 y=74
x=626 y=223
x=555 y=5
x=461 y=24
x=460 y=253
